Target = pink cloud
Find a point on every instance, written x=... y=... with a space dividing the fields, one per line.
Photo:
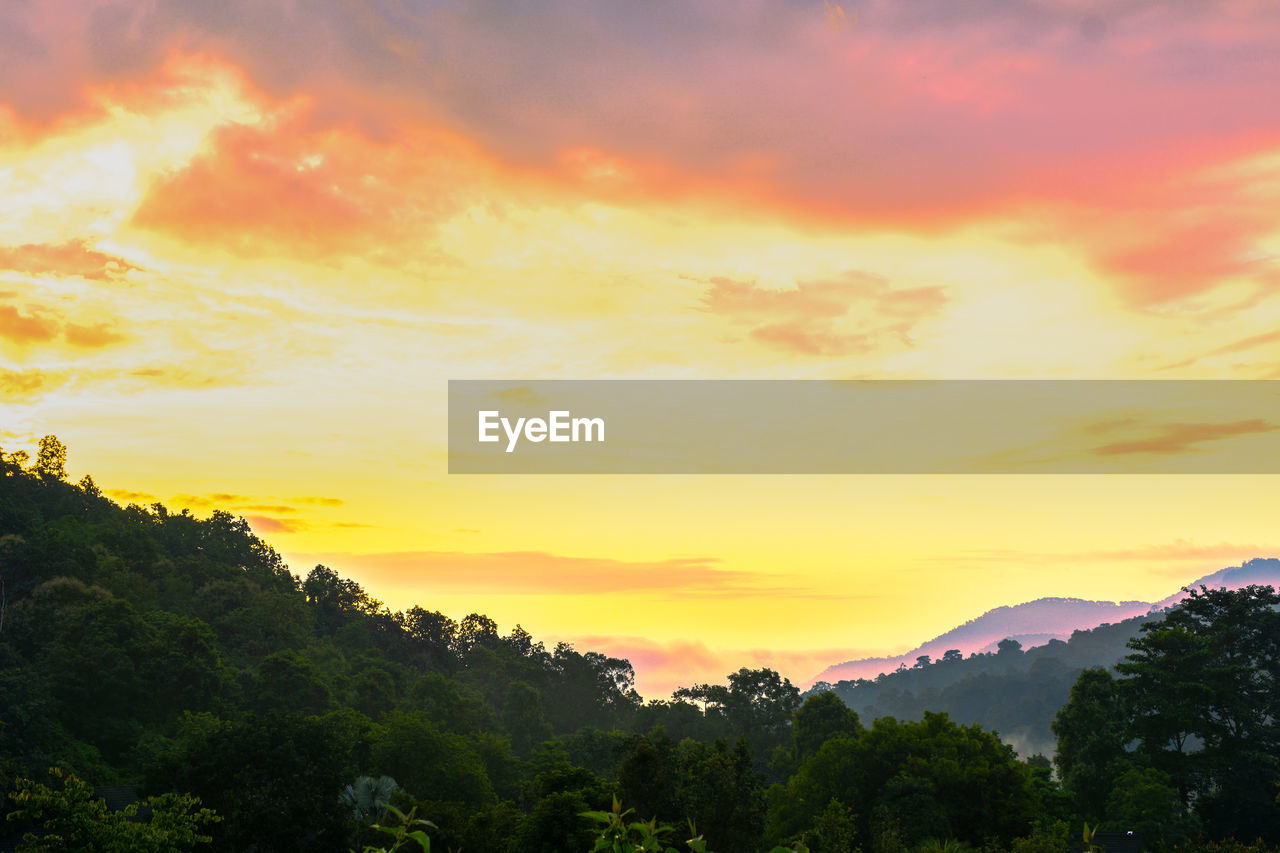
x=920 y=110
x=661 y=667
x=919 y=116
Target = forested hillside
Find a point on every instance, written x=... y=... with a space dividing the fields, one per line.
x=180 y=656
x=1012 y=691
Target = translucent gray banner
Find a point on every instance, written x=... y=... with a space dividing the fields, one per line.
x=864 y=427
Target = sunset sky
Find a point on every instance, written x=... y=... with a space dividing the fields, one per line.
x=244 y=245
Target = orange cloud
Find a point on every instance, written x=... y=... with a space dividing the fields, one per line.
x=26 y=328
x=127 y=495
x=287 y=185
x=196 y=374
x=263 y=524
x=217 y=499
x=73 y=258
x=92 y=336
x=856 y=314
x=38 y=325
x=515 y=572
x=18 y=384
x=1179 y=438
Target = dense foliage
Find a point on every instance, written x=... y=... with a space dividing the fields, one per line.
x=1013 y=691
x=268 y=711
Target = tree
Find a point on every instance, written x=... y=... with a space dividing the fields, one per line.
x=430 y=764
x=1092 y=730
x=368 y=796
x=1145 y=801
x=524 y=719
x=51 y=459
x=1008 y=647
x=1203 y=687
x=913 y=780
x=476 y=631
x=72 y=819
x=275 y=779
x=823 y=716
x=756 y=704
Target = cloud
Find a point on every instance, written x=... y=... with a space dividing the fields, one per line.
x=263 y=524
x=662 y=667
x=539 y=572
x=855 y=314
x=92 y=336
x=205 y=372
x=1180 y=438
x=1177 y=550
x=216 y=499
x=131 y=496
x=283 y=184
x=26 y=328
x=70 y=259
x=226 y=500
x=20 y=384
x=38 y=325
x=1242 y=345
x=912 y=112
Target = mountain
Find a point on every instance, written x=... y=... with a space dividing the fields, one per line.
x=1035 y=623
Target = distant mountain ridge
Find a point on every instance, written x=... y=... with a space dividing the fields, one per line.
x=1035 y=623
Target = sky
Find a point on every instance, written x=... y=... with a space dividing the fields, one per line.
x=245 y=245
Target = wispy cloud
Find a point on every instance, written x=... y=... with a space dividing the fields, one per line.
x=1179 y=550
x=857 y=313
x=519 y=572
x=315 y=500
x=1182 y=438
x=130 y=496
x=28 y=384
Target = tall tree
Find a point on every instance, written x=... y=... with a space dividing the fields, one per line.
x=1204 y=688
x=1092 y=730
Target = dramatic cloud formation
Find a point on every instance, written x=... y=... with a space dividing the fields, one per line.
x=245 y=245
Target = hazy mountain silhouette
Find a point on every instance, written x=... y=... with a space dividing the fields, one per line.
x=1035 y=623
